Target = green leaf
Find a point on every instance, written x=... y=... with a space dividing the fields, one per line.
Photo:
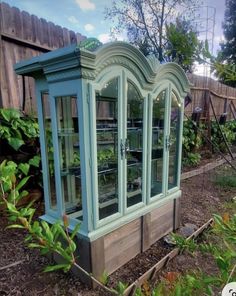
x=12 y=208
x=56 y=267
x=15 y=143
x=15 y=226
x=104 y=278
x=72 y=247
x=48 y=233
x=75 y=231
x=44 y=251
x=28 y=238
x=62 y=232
x=12 y=218
x=23 y=194
x=9 y=114
x=221 y=263
x=34 y=245
x=120 y=288
x=178 y=290
x=22 y=183
x=24 y=167
x=35 y=161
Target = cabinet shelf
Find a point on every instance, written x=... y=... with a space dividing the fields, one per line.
x=67 y=134
x=110 y=198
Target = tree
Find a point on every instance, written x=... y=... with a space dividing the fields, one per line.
x=148 y=26
x=227 y=56
x=183 y=46
x=228 y=48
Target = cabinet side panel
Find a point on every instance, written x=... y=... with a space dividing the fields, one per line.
x=122 y=245
x=162 y=221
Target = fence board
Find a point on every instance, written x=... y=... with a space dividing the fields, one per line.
x=219 y=93
x=23 y=36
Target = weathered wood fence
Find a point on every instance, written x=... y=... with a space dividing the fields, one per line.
x=205 y=89
x=23 y=35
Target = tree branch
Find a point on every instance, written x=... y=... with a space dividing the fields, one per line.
x=146 y=28
x=169 y=11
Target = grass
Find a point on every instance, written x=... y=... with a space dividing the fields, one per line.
x=225 y=181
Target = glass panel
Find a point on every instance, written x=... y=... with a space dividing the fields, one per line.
x=107 y=158
x=49 y=150
x=174 y=140
x=69 y=149
x=158 y=121
x=134 y=145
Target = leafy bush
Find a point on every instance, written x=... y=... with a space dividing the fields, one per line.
x=40 y=235
x=192 y=140
x=225 y=181
x=16 y=129
x=191 y=159
x=229 y=131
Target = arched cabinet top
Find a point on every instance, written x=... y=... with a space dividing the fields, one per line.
x=174 y=74
x=73 y=63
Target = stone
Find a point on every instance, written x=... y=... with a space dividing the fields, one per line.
x=187 y=230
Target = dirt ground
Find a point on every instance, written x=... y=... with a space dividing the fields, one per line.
x=201 y=197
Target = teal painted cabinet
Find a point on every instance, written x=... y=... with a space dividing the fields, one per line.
x=111 y=134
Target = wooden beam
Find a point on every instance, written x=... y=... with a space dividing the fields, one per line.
x=22 y=42
x=207 y=167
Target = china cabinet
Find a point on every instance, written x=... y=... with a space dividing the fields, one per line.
x=111 y=132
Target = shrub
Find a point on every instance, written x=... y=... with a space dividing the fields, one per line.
x=17 y=129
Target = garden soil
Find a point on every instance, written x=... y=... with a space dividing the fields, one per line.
x=201 y=197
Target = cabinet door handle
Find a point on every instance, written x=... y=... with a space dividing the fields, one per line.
x=126 y=147
x=168 y=143
x=122 y=148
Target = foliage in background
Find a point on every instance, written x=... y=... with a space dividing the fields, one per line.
x=17 y=129
x=194 y=140
x=40 y=235
x=223 y=253
x=155 y=27
x=183 y=46
x=229 y=131
x=226 y=178
x=192 y=143
x=226 y=61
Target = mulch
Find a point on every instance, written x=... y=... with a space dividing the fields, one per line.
x=200 y=199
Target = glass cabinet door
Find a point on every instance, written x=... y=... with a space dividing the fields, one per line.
x=69 y=155
x=158 y=136
x=107 y=148
x=173 y=141
x=47 y=127
x=134 y=145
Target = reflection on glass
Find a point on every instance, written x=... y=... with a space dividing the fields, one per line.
x=134 y=145
x=174 y=140
x=68 y=138
x=107 y=158
x=49 y=150
x=158 y=115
